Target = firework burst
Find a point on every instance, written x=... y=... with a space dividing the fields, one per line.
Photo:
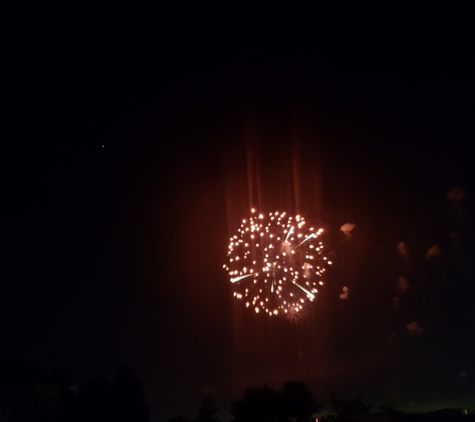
x=276 y=263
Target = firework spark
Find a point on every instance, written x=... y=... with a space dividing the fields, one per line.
x=275 y=263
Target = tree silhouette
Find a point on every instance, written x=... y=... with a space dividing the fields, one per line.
x=131 y=402
x=124 y=400
x=207 y=410
x=96 y=400
x=298 y=402
x=257 y=405
x=67 y=405
x=179 y=418
x=345 y=407
x=295 y=403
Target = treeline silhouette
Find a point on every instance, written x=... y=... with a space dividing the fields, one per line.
x=294 y=402
x=99 y=400
x=29 y=394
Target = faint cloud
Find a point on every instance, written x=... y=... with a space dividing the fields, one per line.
x=403 y=285
x=414 y=328
x=347 y=228
x=402 y=248
x=433 y=252
x=395 y=302
x=457 y=194
x=344 y=295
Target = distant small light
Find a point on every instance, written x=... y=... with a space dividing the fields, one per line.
x=103 y=146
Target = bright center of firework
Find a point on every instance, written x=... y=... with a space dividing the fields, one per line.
x=275 y=262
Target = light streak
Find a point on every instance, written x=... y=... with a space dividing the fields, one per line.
x=307 y=238
x=309 y=294
x=236 y=279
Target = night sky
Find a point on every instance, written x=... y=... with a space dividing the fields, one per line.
x=124 y=173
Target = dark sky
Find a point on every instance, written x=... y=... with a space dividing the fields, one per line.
x=124 y=173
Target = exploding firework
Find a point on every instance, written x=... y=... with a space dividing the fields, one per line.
x=276 y=263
